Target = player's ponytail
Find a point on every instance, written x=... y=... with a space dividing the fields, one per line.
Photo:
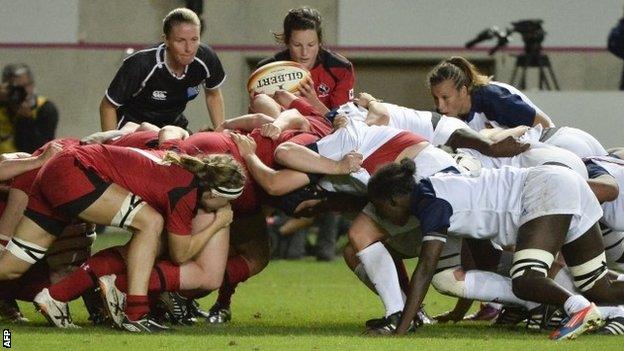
x=218 y=173
x=460 y=71
x=392 y=180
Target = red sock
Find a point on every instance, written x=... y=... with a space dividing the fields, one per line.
x=136 y=306
x=165 y=276
x=236 y=271
x=104 y=262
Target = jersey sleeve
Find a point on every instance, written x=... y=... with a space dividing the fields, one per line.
x=216 y=74
x=434 y=213
x=594 y=170
x=127 y=81
x=507 y=108
x=343 y=91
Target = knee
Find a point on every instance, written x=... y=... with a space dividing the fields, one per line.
x=282 y=151
x=212 y=282
x=149 y=222
x=447 y=282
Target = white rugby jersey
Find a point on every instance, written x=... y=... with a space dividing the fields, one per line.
x=539 y=154
x=613 y=211
x=484 y=207
x=422 y=123
x=356 y=136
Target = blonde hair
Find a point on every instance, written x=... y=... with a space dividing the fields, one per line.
x=213 y=171
x=460 y=71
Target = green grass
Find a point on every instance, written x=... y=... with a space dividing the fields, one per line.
x=301 y=305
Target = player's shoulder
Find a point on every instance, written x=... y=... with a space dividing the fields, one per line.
x=145 y=57
x=205 y=52
x=332 y=59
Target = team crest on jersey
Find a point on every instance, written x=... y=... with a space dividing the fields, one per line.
x=323 y=90
x=159 y=95
x=192 y=92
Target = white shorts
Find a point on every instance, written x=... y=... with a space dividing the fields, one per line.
x=541 y=154
x=552 y=190
x=578 y=141
x=432 y=160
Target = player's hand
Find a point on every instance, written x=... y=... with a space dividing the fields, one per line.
x=340 y=121
x=364 y=99
x=246 y=145
x=307 y=91
x=508 y=147
x=224 y=216
x=101 y=137
x=270 y=130
x=351 y=162
x=52 y=149
x=449 y=316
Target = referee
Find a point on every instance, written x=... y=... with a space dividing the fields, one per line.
x=154 y=85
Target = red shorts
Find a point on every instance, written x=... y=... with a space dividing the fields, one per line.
x=25 y=181
x=63 y=189
x=389 y=151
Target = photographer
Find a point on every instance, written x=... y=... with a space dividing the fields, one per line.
x=27 y=120
x=615 y=44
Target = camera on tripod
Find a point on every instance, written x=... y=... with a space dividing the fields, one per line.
x=531 y=31
x=532 y=35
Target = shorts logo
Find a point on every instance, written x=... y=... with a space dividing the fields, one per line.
x=159 y=95
x=323 y=90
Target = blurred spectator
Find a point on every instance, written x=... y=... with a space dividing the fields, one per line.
x=615 y=44
x=27 y=120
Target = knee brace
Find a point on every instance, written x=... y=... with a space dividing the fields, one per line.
x=445 y=283
x=535 y=260
x=131 y=205
x=26 y=251
x=586 y=274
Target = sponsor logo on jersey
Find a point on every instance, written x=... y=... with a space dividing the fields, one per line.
x=323 y=90
x=192 y=92
x=159 y=95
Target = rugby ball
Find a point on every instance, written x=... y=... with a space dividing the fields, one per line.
x=279 y=75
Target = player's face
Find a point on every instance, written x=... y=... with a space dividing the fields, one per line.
x=211 y=202
x=182 y=43
x=304 y=47
x=449 y=100
x=394 y=212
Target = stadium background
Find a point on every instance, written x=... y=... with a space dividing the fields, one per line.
x=76 y=46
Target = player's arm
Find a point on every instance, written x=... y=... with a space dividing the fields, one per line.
x=108 y=115
x=306 y=89
x=215 y=106
x=605 y=187
x=421 y=279
x=298 y=157
x=467 y=138
x=171 y=133
x=12 y=167
x=274 y=182
x=246 y=122
x=544 y=121
x=183 y=248
x=287 y=120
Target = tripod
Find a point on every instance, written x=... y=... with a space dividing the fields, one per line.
x=542 y=62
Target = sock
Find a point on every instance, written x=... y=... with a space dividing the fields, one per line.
x=382 y=272
x=360 y=272
x=85 y=277
x=489 y=286
x=165 y=276
x=236 y=271
x=565 y=280
x=575 y=303
x=609 y=312
x=136 y=306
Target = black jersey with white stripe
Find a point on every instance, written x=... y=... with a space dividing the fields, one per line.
x=146 y=90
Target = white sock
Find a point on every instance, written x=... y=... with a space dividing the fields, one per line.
x=360 y=272
x=620 y=277
x=565 y=280
x=381 y=271
x=609 y=312
x=489 y=286
x=575 y=303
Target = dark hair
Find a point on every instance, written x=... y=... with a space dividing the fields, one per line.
x=177 y=16
x=17 y=69
x=460 y=71
x=392 y=180
x=301 y=18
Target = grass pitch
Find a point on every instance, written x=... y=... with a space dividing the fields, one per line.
x=294 y=305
